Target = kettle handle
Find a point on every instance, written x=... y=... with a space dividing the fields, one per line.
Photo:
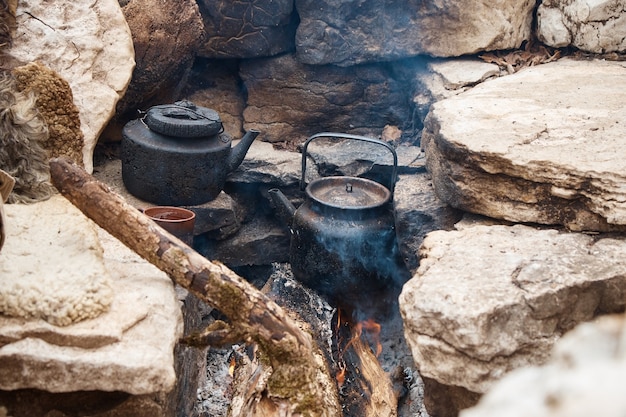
x=392 y=183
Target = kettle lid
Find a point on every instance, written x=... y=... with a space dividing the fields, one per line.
x=183 y=119
x=348 y=192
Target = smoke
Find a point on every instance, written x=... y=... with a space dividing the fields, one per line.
x=358 y=268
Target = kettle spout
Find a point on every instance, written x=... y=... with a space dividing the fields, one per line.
x=283 y=207
x=239 y=152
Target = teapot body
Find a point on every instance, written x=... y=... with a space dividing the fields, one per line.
x=345 y=255
x=173 y=171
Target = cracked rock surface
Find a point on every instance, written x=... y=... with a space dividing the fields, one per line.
x=593 y=26
x=543 y=145
x=488 y=299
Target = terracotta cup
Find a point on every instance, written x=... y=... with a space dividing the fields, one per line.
x=176 y=220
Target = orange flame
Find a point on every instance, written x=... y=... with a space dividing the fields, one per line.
x=231 y=366
x=341 y=375
x=373 y=330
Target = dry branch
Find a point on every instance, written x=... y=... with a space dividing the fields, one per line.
x=300 y=382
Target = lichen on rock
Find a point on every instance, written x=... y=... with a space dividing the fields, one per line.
x=52 y=265
x=55 y=102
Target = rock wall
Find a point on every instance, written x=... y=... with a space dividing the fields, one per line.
x=349 y=33
x=186 y=39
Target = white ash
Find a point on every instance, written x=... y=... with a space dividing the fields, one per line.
x=215 y=392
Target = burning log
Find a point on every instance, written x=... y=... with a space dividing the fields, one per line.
x=299 y=381
x=365 y=390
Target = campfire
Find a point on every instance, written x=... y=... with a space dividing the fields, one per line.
x=360 y=378
x=370 y=366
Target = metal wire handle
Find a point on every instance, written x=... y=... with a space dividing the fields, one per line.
x=394 y=171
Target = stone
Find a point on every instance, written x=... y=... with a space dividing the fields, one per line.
x=537 y=146
x=166 y=41
x=487 y=299
x=333 y=31
x=354 y=157
x=417 y=212
x=88 y=45
x=36 y=283
x=440 y=79
x=222 y=217
x=584 y=377
x=261 y=241
x=593 y=26
x=247 y=29
x=459 y=74
x=288 y=101
x=215 y=84
x=129 y=348
x=87 y=334
x=267 y=165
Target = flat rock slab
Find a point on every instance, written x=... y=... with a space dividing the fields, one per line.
x=129 y=347
x=544 y=145
x=489 y=299
x=51 y=264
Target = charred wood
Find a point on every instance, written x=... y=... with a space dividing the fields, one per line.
x=365 y=388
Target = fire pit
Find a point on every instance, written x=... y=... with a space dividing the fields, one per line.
x=367 y=356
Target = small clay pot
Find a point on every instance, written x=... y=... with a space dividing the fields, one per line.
x=176 y=220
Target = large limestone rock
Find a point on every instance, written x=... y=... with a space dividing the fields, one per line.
x=543 y=145
x=584 y=377
x=89 y=45
x=443 y=78
x=129 y=347
x=590 y=25
x=348 y=33
x=247 y=29
x=36 y=283
x=489 y=299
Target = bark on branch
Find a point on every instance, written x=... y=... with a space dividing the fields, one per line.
x=300 y=383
